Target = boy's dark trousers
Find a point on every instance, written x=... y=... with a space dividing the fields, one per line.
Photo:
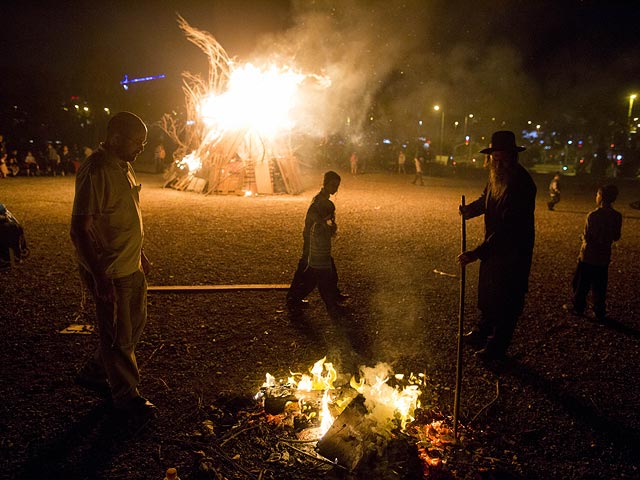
x=307 y=278
x=590 y=277
x=553 y=200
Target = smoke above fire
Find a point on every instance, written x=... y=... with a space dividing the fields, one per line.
x=374 y=53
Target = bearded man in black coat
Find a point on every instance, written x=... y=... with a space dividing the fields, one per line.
x=508 y=204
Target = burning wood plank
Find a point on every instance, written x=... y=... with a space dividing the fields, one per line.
x=345 y=441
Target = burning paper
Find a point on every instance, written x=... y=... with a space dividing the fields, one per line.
x=388 y=407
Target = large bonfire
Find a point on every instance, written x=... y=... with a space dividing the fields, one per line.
x=237 y=134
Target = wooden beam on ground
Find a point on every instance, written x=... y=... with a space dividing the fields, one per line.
x=215 y=288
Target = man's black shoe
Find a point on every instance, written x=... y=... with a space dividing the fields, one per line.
x=338 y=311
x=99 y=387
x=138 y=407
x=489 y=355
x=567 y=307
x=475 y=338
x=297 y=304
x=342 y=297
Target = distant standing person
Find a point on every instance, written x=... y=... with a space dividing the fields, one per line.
x=66 y=161
x=353 y=161
x=554 y=191
x=159 y=155
x=401 y=161
x=86 y=152
x=4 y=171
x=316 y=267
x=53 y=160
x=418 y=164
x=508 y=204
x=603 y=227
x=30 y=164
x=106 y=229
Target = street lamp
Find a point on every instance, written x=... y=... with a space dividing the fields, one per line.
x=437 y=108
x=632 y=97
x=466 y=120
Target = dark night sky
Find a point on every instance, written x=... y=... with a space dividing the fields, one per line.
x=537 y=57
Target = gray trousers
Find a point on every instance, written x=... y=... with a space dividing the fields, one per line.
x=120 y=324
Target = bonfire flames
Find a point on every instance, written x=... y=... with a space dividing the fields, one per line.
x=240 y=120
x=350 y=422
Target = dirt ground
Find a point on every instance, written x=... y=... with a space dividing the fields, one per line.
x=568 y=402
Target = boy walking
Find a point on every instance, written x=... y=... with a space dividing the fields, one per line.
x=602 y=228
x=554 y=191
x=316 y=266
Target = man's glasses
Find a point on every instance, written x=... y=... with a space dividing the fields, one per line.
x=136 y=142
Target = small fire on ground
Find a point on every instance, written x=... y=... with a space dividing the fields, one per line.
x=353 y=420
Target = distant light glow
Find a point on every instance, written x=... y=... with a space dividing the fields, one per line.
x=386 y=141
x=126 y=80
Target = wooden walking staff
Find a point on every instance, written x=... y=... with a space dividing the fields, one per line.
x=456 y=401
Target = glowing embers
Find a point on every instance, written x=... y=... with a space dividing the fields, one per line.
x=191 y=162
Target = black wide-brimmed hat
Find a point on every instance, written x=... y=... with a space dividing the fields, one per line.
x=503 y=141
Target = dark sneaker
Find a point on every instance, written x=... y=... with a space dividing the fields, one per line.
x=338 y=311
x=602 y=319
x=343 y=297
x=475 y=338
x=489 y=355
x=138 y=407
x=567 y=307
x=97 y=386
x=297 y=304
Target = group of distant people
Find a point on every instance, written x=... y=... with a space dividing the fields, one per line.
x=49 y=162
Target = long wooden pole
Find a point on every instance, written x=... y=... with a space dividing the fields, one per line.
x=456 y=402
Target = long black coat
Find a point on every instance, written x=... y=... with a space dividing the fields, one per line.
x=507 y=249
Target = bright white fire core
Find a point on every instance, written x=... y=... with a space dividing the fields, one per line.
x=260 y=100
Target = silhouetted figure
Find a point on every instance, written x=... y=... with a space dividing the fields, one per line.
x=402 y=159
x=67 y=166
x=159 y=156
x=13 y=245
x=4 y=171
x=353 y=162
x=53 y=160
x=12 y=163
x=31 y=164
x=418 y=162
x=508 y=204
x=316 y=267
x=554 y=191
x=603 y=227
